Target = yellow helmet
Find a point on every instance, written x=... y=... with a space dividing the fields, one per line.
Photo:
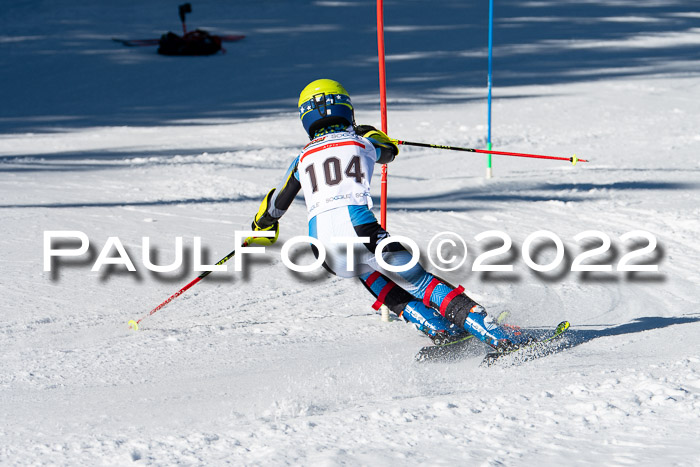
x=322 y=103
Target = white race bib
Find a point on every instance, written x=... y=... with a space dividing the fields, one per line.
x=335 y=170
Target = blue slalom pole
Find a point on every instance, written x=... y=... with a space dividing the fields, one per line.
x=489 y=170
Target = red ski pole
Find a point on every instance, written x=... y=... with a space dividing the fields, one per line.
x=572 y=159
x=135 y=324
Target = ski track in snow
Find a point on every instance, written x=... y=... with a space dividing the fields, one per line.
x=269 y=367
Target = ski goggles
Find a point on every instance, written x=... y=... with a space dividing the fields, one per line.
x=321 y=102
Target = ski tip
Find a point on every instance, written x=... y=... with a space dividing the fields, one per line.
x=561 y=327
x=502 y=316
x=133 y=325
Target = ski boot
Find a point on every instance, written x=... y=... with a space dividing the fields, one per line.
x=500 y=337
x=432 y=323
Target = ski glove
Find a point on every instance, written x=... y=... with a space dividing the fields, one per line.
x=264 y=222
x=388 y=148
x=378 y=136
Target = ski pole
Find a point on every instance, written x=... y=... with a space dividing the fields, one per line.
x=572 y=159
x=135 y=324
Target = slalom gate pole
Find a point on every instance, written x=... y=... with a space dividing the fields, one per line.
x=135 y=324
x=489 y=167
x=382 y=98
x=572 y=159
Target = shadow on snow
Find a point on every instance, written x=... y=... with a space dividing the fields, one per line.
x=577 y=337
x=59 y=67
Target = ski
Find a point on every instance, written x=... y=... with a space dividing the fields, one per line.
x=151 y=42
x=540 y=348
x=231 y=37
x=453 y=349
x=136 y=42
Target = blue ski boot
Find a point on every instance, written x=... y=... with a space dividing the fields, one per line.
x=432 y=323
x=481 y=325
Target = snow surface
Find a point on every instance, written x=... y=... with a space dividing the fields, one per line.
x=270 y=367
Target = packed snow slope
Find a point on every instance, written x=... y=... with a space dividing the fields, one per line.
x=272 y=367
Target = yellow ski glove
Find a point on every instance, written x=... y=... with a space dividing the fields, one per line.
x=264 y=222
x=378 y=136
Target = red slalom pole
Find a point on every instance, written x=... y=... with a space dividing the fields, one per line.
x=382 y=98
x=572 y=159
x=135 y=324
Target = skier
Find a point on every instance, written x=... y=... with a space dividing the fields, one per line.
x=334 y=171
